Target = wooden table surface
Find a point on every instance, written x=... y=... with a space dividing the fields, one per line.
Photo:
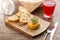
x=7 y=33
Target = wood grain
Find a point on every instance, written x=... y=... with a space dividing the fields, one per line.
x=25 y=30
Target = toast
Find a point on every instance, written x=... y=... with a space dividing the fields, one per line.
x=23 y=11
x=14 y=17
x=24 y=15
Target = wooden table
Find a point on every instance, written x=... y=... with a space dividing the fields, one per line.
x=7 y=33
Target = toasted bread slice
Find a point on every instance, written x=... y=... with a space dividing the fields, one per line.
x=24 y=15
x=13 y=18
x=23 y=11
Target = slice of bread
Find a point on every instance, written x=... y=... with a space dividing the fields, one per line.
x=13 y=18
x=24 y=15
x=23 y=11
